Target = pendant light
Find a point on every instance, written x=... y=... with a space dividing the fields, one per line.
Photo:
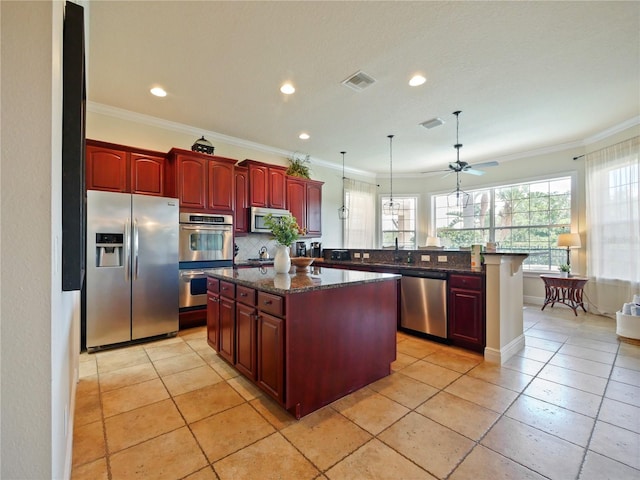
x=391 y=207
x=343 y=211
x=458 y=198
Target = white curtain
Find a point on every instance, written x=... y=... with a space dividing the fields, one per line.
x=613 y=218
x=359 y=227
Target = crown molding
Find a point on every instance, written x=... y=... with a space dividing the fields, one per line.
x=123 y=114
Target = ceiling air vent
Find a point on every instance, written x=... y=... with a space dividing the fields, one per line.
x=359 y=81
x=434 y=122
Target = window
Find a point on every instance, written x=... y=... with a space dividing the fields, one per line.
x=524 y=217
x=401 y=226
x=359 y=226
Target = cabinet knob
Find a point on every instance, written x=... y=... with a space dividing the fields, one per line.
x=268 y=302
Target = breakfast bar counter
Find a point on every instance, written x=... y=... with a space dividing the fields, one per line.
x=305 y=338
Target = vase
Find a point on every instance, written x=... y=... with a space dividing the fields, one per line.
x=564 y=274
x=282 y=260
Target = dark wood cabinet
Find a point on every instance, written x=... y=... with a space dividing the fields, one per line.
x=467 y=311
x=304 y=201
x=241 y=192
x=227 y=335
x=107 y=168
x=201 y=182
x=147 y=174
x=246 y=340
x=270 y=351
x=213 y=320
x=117 y=168
x=267 y=184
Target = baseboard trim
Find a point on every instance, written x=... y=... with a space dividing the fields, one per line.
x=505 y=353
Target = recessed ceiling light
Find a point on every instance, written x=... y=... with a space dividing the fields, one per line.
x=417 y=80
x=287 y=89
x=158 y=92
x=304 y=136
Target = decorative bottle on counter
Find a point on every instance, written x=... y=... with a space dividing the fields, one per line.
x=282 y=260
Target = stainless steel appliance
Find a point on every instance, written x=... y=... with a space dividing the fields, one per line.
x=132 y=267
x=423 y=300
x=301 y=249
x=206 y=241
x=258 y=217
x=205 y=237
x=316 y=249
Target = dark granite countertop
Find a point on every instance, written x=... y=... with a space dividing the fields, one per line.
x=318 y=278
x=399 y=267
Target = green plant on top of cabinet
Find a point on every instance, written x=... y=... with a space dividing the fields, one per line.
x=118 y=168
x=201 y=182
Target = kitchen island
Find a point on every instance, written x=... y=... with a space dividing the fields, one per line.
x=305 y=338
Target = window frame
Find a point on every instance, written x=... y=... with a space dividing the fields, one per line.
x=555 y=253
x=382 y=197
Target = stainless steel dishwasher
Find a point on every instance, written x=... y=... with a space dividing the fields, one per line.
x=424 y=302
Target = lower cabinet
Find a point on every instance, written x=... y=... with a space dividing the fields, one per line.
x=466 y=311
x=270 y=350
x=246 y=328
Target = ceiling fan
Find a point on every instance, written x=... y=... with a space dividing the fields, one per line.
x=463 y=167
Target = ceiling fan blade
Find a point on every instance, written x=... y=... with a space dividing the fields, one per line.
x=473 y=171
x=437 y=171
x=485 y=165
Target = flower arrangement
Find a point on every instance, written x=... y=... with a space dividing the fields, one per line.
x=564 y=268
x=285 y=229
x=297 y=167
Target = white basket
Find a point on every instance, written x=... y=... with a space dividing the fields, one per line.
x=628 y=326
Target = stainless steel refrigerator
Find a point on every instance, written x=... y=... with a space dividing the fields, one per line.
x=132 y=267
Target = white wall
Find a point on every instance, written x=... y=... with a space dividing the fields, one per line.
x=39 y=323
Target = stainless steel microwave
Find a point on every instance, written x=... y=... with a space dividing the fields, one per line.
x=258 y=215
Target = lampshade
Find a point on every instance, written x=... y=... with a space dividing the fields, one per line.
x=569 y=240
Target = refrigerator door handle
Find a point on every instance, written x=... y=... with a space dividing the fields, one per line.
x=127 y=250
x=136 y=246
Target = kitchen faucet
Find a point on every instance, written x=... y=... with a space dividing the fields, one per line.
x=396 y=254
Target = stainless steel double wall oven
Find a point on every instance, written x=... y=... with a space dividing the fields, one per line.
x=205 y=241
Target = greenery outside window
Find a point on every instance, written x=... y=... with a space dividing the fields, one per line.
x=401 y=226
x=523 y=217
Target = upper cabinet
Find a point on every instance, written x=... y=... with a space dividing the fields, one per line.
x=267 y=184
x=241 y=210
x=201 y=182
x=304 y=201
x=114 y=168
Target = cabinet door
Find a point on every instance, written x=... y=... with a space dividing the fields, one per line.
x=466 y=319
x=107 y=169
x=220 y=190
x=147 y=174
x=314 y=209
x=246 y=340
x=192 y=177
x=227 y=330
x=270 y=372
x=277 y=188
x=241 y=210
x=213 y=321
x=258 y=180
x=297 y=200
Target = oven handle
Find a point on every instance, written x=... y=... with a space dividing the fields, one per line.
x=127 y=249
x=217 y=228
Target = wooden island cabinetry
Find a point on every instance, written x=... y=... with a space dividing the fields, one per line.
x=291 y=347
x=467 y=325
x=116 y=168
x=201 y=182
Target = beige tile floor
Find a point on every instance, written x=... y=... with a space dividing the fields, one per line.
x=567 y=406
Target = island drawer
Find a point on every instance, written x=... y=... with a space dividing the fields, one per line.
x=213 y=285
x=227 y=289
x=471 y=282
x=269 y=303
x=246 y=295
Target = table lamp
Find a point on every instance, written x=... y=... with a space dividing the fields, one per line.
x=569 y=240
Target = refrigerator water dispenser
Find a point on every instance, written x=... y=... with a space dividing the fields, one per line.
x=109 y=249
